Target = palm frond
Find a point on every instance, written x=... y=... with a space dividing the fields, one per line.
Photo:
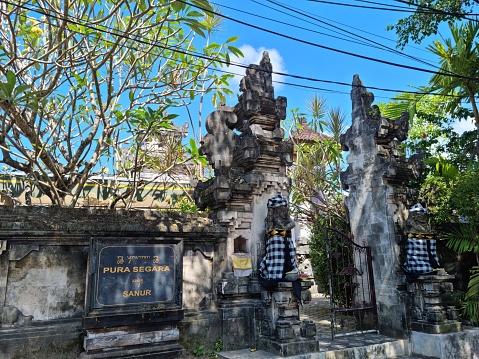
x=463 y=239
x=473 y=286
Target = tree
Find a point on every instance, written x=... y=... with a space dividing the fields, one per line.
x=431 y=127
x=459 y=56
x=464 y=200
x=427 y=16
x=315 y=173
x=74 y=76
x=316 y=189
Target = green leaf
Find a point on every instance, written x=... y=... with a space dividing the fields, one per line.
x=235 y=51
x=194 y=14
x=193 y=147
x=203 y=4
x=232 y=39
x=20 y=89
x=9 y=86
x=131 y=95
x=196 y=27
x=227 y=59
x=177 y=6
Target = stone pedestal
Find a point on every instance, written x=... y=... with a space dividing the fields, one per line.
x=282 y=332
x=430 y=311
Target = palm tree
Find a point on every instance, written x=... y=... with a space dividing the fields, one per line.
x=317 y=166
x=459 y=56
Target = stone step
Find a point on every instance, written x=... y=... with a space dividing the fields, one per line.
x=367 y=346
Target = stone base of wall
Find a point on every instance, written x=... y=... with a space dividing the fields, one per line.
x=55 y=341
x=462 y=345
x=164 y=351
x=285 y=348
x=199 y=328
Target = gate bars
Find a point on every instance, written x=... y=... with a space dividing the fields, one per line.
x=351 y=285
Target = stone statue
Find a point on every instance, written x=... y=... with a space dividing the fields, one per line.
x=278 y=214
x=279 y=262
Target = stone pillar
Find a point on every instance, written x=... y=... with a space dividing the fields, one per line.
x=377 y=200
x=245 y=147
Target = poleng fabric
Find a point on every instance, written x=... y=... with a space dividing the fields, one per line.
x=277 y=201
x=421 y=257
x=273 y=264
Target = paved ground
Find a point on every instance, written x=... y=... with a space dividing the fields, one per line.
x=318 y=310
x=345 y=346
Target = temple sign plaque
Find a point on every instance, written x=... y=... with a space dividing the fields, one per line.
x=133 y=280
x=135 y=274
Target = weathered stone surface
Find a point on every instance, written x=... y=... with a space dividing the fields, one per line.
x=61 y=340
x=43 y=271
x=429 y=307
x=377 y=201
x=462 y=345
x=124 y=337
x=308 y=329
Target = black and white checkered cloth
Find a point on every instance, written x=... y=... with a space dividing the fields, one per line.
x=272 y=265
x=420 y=258
x=277 y=201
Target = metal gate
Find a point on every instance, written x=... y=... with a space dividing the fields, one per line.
x=351 y=285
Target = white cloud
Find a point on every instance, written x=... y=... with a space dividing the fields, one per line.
x=253 y=56
x=464 y=125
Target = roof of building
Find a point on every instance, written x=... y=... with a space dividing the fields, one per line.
x=306 y=134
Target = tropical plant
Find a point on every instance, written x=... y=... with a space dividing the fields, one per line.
x=459 y=57
x=76 y=78
x=427 y=16
x=464 y=199
x=431 y=128
x=319 y=257
x=315 y=172
x=316 y=189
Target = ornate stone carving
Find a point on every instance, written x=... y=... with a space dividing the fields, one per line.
x=287 y=149
x=218 y=145
x=430 y=310
x=258 y=84
x=281 y=104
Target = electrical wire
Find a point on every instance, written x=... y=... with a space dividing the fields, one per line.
x=362 y=6
x=328 y=47
x=295 y=26
x=378 y=45
x=116 y=33
x=316 y=16
x=382 y=4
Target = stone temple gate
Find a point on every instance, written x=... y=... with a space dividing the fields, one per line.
x=65 y=284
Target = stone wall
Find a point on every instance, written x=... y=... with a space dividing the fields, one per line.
x=43 y=266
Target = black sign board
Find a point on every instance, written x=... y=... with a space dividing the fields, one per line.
x=133 y=271
x=135 y=274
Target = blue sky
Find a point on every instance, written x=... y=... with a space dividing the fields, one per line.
x=294 y=57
